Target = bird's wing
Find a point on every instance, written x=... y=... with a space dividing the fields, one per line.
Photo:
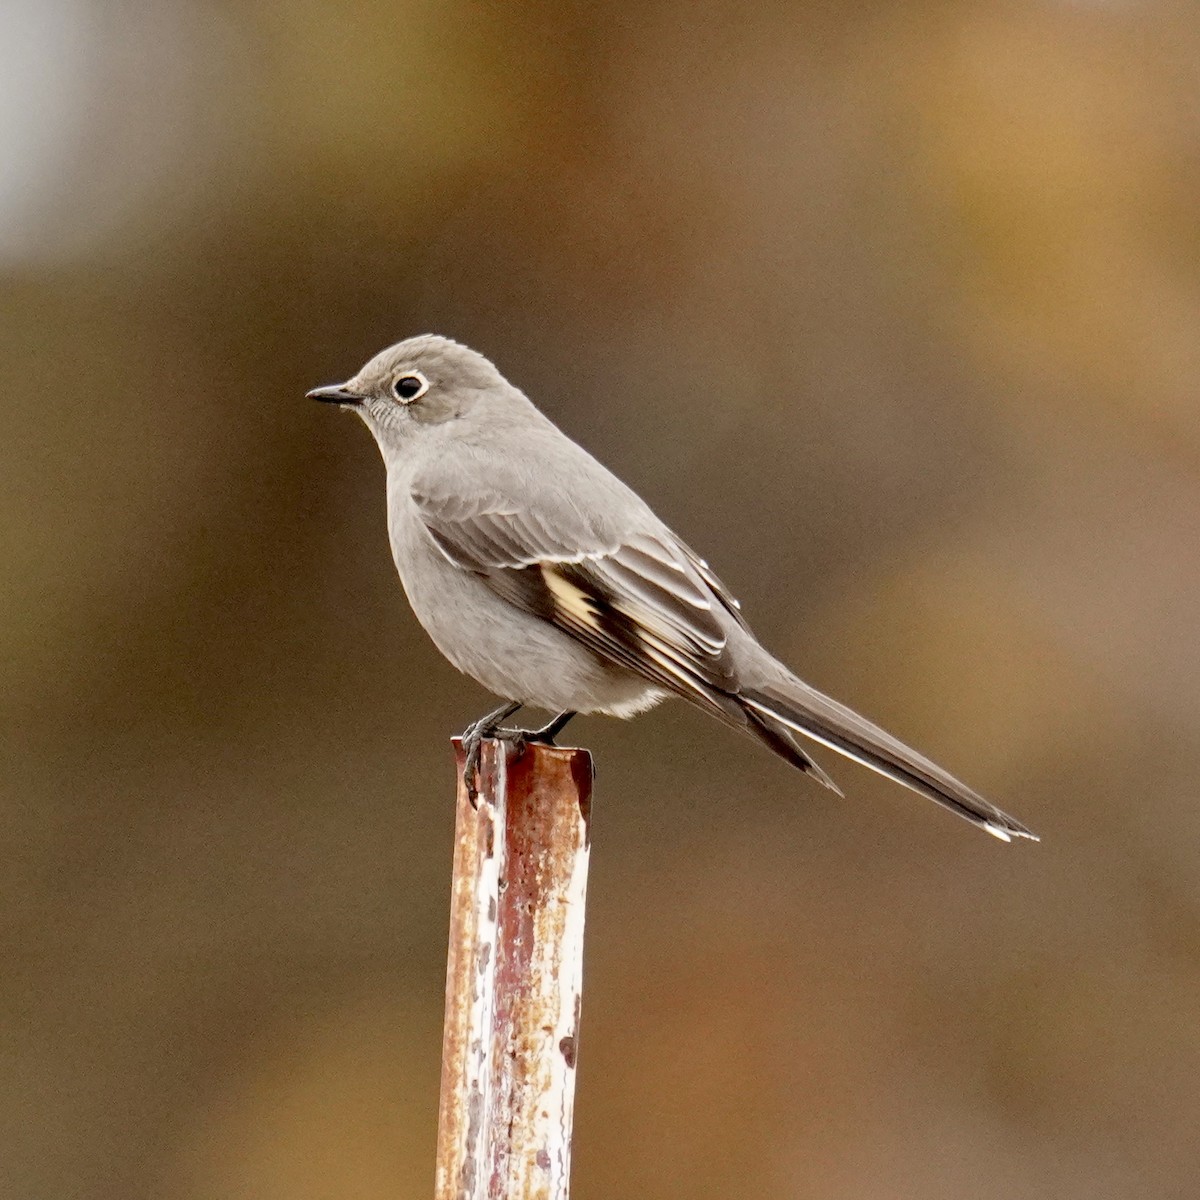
x=638 y=600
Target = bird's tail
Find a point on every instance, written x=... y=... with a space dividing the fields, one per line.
x=789 y=703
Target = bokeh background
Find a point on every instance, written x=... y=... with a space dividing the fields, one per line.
x=890 y=308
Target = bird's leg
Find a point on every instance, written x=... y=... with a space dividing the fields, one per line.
x=472 y=741
x=546 y=735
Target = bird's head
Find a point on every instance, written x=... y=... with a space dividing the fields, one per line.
x=418 y=384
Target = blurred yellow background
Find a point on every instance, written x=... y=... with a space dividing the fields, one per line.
x=890 y=308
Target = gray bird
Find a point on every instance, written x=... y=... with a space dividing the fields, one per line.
x=543 y=577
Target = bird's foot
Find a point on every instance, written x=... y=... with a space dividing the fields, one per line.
x=473 y=738
x=489 y=727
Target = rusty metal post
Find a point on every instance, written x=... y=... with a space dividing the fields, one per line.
x=514 y=976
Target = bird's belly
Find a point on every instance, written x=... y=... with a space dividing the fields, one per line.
x=515 y=655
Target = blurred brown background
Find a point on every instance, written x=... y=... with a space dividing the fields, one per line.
x=890 y=308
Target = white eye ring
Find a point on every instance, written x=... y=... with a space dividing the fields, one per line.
x=410 y=386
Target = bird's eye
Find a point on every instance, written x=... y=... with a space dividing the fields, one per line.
x=409 y=387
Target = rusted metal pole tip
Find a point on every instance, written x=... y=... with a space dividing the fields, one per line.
x=536 y=760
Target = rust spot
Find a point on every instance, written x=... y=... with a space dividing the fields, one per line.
x=491 y=909
x=484 y=957
x=567 y=1049
x=583 y=773
x=474 y=1132
x=543 y=1160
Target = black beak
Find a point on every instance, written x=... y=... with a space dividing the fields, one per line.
x=336 y=393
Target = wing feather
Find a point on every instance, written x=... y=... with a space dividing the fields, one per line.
x=640 y=601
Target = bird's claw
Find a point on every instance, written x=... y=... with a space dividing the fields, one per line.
x=518 y=739
x=473 y=738
x=473 y=745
